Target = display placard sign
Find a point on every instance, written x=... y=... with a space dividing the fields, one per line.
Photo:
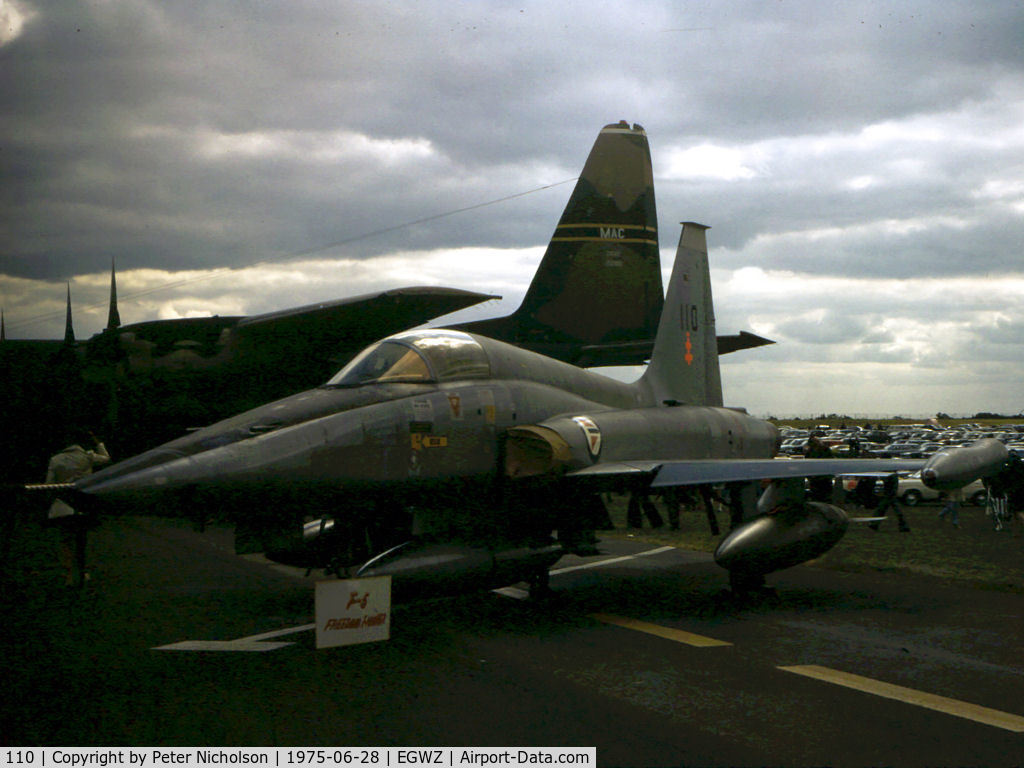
x=350 y=611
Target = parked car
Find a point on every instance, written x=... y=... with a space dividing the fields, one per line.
x=795 y=446
x=912 y=491
x=903 y=449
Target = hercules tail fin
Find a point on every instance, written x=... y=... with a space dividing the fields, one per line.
x=597 y=294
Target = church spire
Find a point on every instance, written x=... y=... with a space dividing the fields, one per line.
x=69 y=330
x=113 y=317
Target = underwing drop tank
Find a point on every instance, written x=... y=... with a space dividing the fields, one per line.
x=956 y=467
x=787 y=537
x=427 y=569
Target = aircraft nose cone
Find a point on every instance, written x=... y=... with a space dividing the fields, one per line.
x=929 y=477
x=152 y=479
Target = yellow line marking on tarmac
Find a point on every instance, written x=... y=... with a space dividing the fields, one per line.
x=963 y=709
x=677 y=635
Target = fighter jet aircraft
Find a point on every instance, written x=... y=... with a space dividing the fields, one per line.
x=450 y=460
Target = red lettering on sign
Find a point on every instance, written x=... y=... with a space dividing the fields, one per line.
x=337 y=624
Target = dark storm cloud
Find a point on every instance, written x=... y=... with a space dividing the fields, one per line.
x=869 y=141
x=105 y=105
x=800 y=68
x=487 y=85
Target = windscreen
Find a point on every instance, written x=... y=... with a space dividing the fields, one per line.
x=386 y=362
x=417 y=356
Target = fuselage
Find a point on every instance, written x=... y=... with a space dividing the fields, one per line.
x=425 y=408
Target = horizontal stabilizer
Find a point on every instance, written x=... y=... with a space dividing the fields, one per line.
x=635 y=352
x=741 y=340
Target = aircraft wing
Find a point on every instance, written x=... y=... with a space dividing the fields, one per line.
x=709 y=471
x=295 y=349
x=369 y=317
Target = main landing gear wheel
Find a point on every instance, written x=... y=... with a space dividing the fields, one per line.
x=750 y=589
x=540 y=585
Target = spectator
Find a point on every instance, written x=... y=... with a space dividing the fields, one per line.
x=890 y=488
x=821 y=487
x=1007 y=487
x=640 y=500
x=72 y=463
x=952 y=507
x=864 y=493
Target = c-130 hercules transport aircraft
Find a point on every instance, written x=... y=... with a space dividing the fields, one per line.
x=452 y=461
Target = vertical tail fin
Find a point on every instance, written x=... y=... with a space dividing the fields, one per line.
x=597 y=294
x=684 y=365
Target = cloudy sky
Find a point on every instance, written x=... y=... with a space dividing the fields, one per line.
x=861 y=166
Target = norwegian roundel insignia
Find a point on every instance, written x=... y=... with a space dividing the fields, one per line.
x=592 y=433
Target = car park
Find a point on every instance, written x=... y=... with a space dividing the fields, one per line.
x=909 y=441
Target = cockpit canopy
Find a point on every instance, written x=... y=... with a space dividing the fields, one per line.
x=416 y=356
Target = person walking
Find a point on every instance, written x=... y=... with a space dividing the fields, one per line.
x=640 y=506
x=952 y=507
x=1006 y=495
x=890 y=500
